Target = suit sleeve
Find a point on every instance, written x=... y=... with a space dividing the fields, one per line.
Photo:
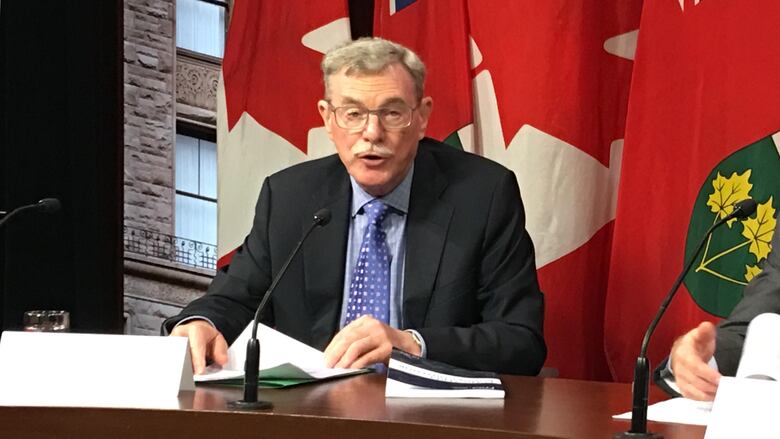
x=236 y=290
x=509 y=336
x=761 y=295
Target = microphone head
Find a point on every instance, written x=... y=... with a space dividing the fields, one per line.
x=322 y=217
x=744 y=208
x=49 y=205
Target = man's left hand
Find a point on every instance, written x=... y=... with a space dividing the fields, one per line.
x=367 y=341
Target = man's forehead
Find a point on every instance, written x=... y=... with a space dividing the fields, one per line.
x=353 y=83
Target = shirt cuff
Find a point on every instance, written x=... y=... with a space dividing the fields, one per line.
x=189 y=319
x=419 y=338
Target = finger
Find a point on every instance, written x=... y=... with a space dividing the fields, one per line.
x=691 y=391
x=701 y=385
x=355 y=350
x=219 y=350
x=355 y=330
x=197 y=352
x=704 y=333
x=336 y=349
x=698 y=380
x=707 y=374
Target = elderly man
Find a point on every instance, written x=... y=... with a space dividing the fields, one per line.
x=701 y=356
x=426 y=251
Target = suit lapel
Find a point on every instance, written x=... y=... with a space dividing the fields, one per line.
x=324 y=253
x=426 y=232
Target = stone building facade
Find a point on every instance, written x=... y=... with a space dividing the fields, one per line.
x=165 y=89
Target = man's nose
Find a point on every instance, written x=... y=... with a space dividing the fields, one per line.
x=373 y=130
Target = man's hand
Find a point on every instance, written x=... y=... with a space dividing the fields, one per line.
x=367 y=341
x=690 y=354
x=206 y=343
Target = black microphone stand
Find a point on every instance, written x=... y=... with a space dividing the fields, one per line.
x=46 y=205
x=742 y=209
x=252 y=362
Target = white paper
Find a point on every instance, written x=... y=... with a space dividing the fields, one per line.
x=677 y=411
x=761 y=351
x=93 y=370
x=397 y=389
x=744 y=408
x=281 y=356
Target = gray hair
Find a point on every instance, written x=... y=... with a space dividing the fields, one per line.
x=370 y=56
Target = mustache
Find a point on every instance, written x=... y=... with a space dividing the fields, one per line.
x=363 y=149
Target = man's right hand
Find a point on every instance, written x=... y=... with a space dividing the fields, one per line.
x=690 y=355
x=206 y=344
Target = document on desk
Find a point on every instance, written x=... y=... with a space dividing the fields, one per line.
x=677 y=411
x=409 y=376
x=284 y=361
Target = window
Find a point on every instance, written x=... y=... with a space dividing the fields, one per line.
x=200 y=26
x=196 y=189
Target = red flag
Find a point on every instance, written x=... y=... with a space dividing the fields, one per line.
x=267 y=114
x=550 y=83
x=702 y=112
x=437 y=32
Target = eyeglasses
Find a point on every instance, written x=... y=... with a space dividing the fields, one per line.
x=355 y=117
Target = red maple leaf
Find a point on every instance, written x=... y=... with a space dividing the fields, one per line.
x=268 y=72
x=550 y=69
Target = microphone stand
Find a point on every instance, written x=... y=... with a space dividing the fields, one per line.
x=742 y=209
x=252 y=362
x=46 y=205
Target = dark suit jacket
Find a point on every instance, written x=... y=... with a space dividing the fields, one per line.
x=470 y=284
x=761 y=295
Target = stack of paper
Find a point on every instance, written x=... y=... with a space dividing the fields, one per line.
x=409 y=376
x=284 y=361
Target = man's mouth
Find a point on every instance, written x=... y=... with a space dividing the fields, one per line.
x=372 y=158
x=373 y=155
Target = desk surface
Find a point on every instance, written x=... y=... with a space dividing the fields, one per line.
x=356 y=408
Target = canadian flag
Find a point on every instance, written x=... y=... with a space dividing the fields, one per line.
x=541 y=87
x=267 y=117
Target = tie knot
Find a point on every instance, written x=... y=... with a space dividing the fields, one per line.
x=376 y=211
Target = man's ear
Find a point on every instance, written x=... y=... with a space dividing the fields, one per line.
x=425 y=108
x=324 y=108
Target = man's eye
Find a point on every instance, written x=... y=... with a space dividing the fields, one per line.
x=353 y=113
x=391 y=113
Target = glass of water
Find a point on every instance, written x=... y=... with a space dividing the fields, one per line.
x=47 y=321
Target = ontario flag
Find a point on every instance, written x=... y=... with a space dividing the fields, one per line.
x=267 y=117
x=541 y=87
x=702 y=133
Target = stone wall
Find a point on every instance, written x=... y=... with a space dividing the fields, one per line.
x=160 y=86
x=149 y=49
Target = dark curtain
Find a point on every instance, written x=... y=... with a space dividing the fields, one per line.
x=61 y=125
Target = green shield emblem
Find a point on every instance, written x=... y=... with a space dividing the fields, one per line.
x=736 y=251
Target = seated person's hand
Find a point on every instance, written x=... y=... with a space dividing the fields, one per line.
x=206 y=343
x=367 y=341
x=690 y=354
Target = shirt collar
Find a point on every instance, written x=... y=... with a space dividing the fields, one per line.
x=398 y=198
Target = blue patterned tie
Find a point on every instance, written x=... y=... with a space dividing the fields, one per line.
x=369 y=292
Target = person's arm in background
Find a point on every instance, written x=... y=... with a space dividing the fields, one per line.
x=694 y=354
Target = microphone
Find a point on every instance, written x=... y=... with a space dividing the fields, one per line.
x=252 y=363
x=742 y=209
x=46 y=205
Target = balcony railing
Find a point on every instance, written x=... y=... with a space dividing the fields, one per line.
x=170 y=248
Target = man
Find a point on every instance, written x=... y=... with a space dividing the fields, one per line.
x=701 y=356
x=426 y=250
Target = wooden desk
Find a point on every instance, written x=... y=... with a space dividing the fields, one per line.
x=355 y=408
